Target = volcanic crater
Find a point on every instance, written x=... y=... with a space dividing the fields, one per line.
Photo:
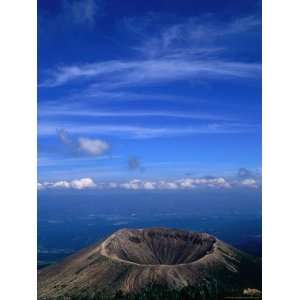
x=157 y=246
x=132 y=259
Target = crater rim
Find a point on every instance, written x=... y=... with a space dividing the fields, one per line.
x=201 y=243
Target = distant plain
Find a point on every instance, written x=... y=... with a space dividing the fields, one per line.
x=69 y=221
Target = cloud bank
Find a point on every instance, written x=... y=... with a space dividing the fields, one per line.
x=138 y=184
x=77 y=184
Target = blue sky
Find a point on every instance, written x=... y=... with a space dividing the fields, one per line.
x=157 y=90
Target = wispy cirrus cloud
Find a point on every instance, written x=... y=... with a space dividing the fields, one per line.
x=69 y=15
x=80 y=11
x=116 y=74
x=141 y=132
x=190 y=50
x=45 y=161
x=81 y=97
x=196 y=37
x=70 y=110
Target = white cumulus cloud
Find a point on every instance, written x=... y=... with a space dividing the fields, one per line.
x=77 y=184
x=61 y=184
x=40 y=186
x=82 y=183
x=218 y=182
x=249 y=182
x=92 y=146
x=149 y=185
x=83 y=145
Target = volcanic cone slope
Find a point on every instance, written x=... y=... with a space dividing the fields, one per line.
x=132 y=259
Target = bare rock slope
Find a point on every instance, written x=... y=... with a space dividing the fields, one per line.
x=132 y=259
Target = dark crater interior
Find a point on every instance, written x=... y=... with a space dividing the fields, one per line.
x=159 y=246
